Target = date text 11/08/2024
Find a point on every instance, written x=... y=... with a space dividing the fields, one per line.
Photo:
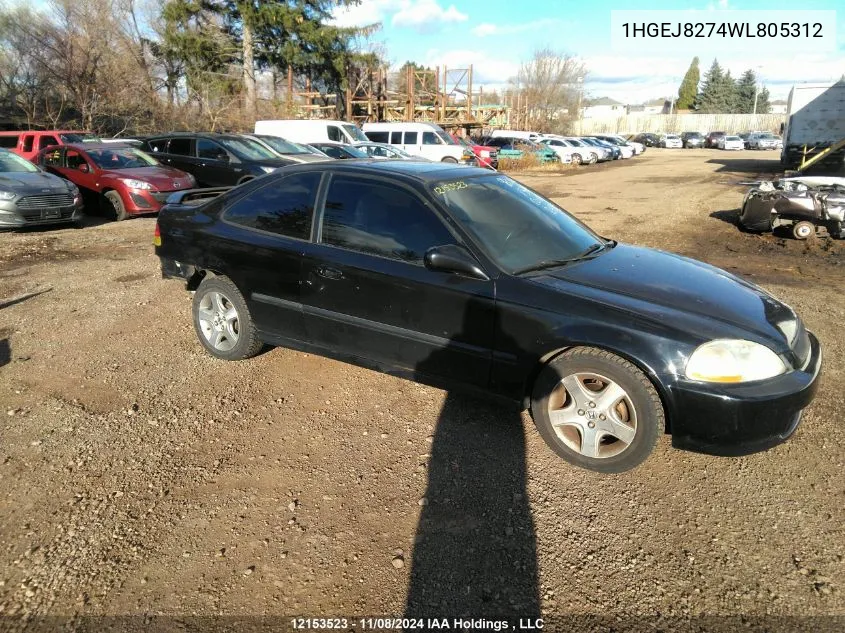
x=421 y=624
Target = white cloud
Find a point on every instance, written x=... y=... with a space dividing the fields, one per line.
x=419 y=14
x=486 y=29
x=365 y=13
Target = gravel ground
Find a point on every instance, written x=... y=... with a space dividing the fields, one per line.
x=139 y=476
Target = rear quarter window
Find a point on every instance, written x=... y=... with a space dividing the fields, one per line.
x=284 y=207
x=9 y=141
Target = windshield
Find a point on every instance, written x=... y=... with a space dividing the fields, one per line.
x=672 y=136
x=79 y=137
x=282 y=146
x=10 y=163
x=516 y=227
x=445 y=137
x=247 y=148
x=120 y=158
x=353 y=151
x=355 y=132
x=732 y=138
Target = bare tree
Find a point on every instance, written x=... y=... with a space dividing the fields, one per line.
x=546 y=90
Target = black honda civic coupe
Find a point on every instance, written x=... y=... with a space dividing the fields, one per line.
x=456 y=276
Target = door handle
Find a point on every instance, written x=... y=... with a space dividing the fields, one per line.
x=329 y=272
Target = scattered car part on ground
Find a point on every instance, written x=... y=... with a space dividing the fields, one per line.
x=454 y=275
x=801 y=204
x=29 y=196
x=123 y=180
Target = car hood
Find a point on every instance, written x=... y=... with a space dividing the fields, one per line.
x=32 y=182
x=160 y=177
x=677 y=283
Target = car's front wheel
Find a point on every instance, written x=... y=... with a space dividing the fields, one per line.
x=593 y=158
x=597 y=410
x=576 y=159
x=114 y=200
x=449 y=159
x=222 y=320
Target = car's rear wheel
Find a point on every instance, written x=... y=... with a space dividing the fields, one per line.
x=222 y=320
x=116 y=203
x=449 y=159
x=576 y=159
x=597 y=410
x=803 y=230
x=593 y=158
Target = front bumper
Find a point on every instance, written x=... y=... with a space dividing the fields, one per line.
x=11 y=217
x=745 y=418
x=144 y=201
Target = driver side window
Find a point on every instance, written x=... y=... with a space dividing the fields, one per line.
x=371 y=217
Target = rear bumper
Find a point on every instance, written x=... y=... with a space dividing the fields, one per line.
x=741 y=419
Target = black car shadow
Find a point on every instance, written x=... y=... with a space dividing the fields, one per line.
x=475 y=551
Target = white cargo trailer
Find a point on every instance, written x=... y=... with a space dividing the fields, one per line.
x=815 y=122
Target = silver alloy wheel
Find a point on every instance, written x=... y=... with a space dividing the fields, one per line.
x=219 y=321
x=593 y=415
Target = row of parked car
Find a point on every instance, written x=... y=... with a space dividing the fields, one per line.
x=50 y=176
x=716 y=140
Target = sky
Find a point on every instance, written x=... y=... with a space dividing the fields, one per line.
x=496 y=35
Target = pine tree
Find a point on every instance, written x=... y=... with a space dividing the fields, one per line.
x=746 y=88
x=718 y=91
x=763 y=104
x=689 y=87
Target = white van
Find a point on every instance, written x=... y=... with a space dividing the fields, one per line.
x=311 y=130
x=531 y=136
x=422 y=139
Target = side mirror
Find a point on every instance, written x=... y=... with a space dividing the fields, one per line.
x=83 y=167
x=452 y=258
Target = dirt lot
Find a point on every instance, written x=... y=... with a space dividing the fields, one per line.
x=140 y=476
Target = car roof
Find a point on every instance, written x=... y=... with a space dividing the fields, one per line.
x=211 y=135
x=422 y=171
x=84 y=147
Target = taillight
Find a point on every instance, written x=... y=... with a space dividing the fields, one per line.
x=157 y=236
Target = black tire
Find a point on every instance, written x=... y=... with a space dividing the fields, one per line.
x=247 y=343
x=803 y=230
x=594 y=158
x=576 y=159
x=116 y=203
x=649 y=416
x=449 y=159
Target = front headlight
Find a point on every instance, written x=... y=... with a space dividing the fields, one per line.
x=136 y=184
x=7 y=195
x=733 y=360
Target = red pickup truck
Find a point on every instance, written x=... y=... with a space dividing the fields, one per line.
x=27 y=143
x=487 y=156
